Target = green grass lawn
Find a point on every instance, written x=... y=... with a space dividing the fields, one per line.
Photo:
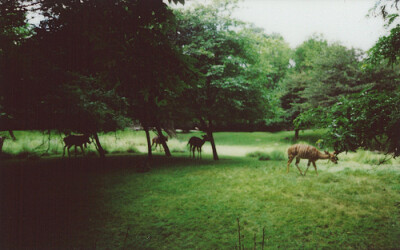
x=88 y=203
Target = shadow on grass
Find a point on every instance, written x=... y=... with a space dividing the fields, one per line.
x=48 y=203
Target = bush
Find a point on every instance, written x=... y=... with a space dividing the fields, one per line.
x=132 y=150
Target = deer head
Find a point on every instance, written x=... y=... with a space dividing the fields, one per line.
x=86 y=139
x=332 y=157
x=205 y=138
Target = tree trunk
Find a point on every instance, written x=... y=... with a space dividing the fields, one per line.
x=211 y=138
x=12 y=135
x=98 y=146
x=296 y=134
x=163 y=143
x=149 y=153
x=169 y=127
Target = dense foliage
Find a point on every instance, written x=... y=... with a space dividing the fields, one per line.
x=233 y=86
x=370 y=120
x=387 y=48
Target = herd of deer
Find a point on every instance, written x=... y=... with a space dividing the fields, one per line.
x=82 y=140
x=195 y=143
x=298 y=151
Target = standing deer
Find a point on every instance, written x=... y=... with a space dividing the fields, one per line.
x=77 y=141
x=301 y=151
x=158 y=140
x=197 y=143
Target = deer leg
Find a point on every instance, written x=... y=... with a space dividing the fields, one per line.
x=288 y=163
x=315 y=166
x=83 y=152
x=69 y=153
x=200 y=152
x=75 y=151
x=297 y=164
x=308 y=165
x=64 y=151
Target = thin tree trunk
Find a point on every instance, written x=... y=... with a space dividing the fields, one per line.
x=98 y=146
x=211 y=138
x=163 y=143
x=149 y=153
x=296 y=134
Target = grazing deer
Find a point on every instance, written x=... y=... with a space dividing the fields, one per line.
x=197 y=143
x=301 y=151
x=158 y=140
x=77 y=141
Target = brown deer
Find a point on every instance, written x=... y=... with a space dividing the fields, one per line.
x=197 y=143
x=158 y=140
x=77 y=141
x=301 y=151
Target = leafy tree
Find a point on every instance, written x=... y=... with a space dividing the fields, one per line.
x=88 y=60
x=369 y=120
x=310 y=50
x=270 y=63
x=319 y=80
x=270 y=55
x=225 y=92
x=388 y=47
x=336 y=72
x=150 y=70
x=14 y=31
x=299 y=78
x=291 y=101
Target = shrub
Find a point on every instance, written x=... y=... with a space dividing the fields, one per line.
x=132 y=150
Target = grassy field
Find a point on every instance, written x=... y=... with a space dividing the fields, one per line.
x=88 y=203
